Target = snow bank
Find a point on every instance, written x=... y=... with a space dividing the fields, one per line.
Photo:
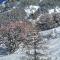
x=57 y=10
x=31 y=9
x=53 y=42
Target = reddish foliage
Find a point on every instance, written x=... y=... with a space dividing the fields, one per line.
x=23 y=25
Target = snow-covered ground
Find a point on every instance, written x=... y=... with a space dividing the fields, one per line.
x=57 y=10
x=18 y=55
x=31 y=9
x=53 y=41
x=53 y=38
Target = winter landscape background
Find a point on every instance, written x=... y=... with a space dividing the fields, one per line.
x=29 y=29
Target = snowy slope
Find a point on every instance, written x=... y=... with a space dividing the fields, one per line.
x=18 y=55
x=53 y=41
x=53 y=37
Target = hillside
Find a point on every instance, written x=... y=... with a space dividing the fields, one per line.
x=29 y=30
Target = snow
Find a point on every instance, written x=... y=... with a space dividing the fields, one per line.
x=3 y=46
x=51 y=11
x=31 y=9
x=53 y=45
x=16 y=56
x=57 y=10
x=41 y=0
